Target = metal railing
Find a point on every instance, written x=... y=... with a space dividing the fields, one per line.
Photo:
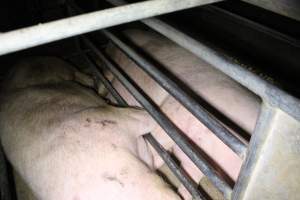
x=175 y=168
x=275 y=140
x=164 y=122
x=49 y=32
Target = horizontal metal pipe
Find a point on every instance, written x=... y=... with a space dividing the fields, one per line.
x=166 y=124
x=262 y=88
x=43 y=33
x=179 y=173
x=180 y=94
x=270 y=93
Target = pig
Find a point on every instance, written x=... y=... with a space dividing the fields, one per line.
x=65 y=142
x=215 y=88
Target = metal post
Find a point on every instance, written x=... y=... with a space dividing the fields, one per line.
x=271 y=170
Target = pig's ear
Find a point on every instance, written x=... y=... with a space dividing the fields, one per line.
x=84 y=79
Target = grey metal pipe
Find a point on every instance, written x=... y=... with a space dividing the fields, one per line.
x=43 y=33
x=272 y=94
x=120 y=100
x=166 y=124
x=180 y=174
x=180 y=94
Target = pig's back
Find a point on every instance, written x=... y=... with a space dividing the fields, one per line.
x=219 y=90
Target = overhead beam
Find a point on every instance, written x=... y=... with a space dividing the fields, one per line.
x=44 y=33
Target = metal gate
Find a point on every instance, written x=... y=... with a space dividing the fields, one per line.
x=271 y=161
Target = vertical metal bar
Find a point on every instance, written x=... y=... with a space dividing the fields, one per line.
x=166 y=124
x=271 y=170
x=174 y=167
x=179 y=94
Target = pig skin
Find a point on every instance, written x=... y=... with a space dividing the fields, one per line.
x=67 y=143
x=214 y=87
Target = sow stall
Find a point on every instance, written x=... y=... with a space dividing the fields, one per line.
x=275 y=141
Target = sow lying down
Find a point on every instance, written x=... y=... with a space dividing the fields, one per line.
x=67 y=143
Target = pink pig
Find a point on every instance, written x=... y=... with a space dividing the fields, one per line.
x=67 y=143
x=220 y=91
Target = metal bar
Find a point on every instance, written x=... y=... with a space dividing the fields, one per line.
x=120 y=100
x=271 y=170
x=112 y=90
x=43 y=33
x=179 y=173
x=264 y=29
x=179 y=94
x=166 y=124
x=272 y=94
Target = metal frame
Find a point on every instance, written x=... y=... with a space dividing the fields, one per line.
x=247 y=187
x=179 y=173
x=268 y=92
x=284 y=106
x=275 y=140
x=181 y=95
x=49 y=32
x=169 y=127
